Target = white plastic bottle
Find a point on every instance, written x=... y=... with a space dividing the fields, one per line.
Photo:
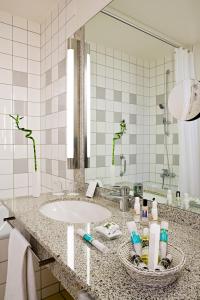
x=154 y=210
x=137 y=210
x=186 y=201
x=169 y=197
x=163 y=239
x=154 y=239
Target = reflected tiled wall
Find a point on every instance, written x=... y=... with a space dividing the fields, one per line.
x=19 y=94
x=129 y=88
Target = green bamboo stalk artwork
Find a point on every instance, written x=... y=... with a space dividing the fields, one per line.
x=116 y=137
x=28 y=136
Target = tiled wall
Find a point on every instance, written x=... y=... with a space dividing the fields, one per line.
x=158 y=158
x=120 y=90
x=19 y=94
x=129 y=88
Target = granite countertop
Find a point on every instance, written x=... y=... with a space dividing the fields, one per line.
x=102 y=275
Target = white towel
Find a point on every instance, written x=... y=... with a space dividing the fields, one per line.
x=20 y=276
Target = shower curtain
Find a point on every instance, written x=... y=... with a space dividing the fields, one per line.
x=189 y=132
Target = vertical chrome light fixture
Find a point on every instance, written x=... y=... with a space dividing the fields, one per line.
x=87 y=129
x=73 y=103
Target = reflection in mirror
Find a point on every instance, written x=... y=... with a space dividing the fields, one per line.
x=131 y=79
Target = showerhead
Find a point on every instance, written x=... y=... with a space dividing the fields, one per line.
x=161 y=106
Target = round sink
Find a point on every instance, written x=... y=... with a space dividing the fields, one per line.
x=75 y=211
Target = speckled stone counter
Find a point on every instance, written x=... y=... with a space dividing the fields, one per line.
x=79 y=266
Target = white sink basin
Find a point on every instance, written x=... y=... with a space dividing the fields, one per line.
x=75 y=211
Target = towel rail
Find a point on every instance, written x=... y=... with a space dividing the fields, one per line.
x=41 y=262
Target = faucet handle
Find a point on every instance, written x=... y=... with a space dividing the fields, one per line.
x=124 y=190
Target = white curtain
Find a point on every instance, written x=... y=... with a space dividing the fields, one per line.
x=189 y=132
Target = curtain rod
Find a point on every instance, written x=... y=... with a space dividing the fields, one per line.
x=164 y=40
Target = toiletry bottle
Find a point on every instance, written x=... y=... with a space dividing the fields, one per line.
x=145 y=211
x=186 y=201
x=154 y=210
x=89 y=238
x=154 y=239
x=163 y=238
x=137 y=210
x=137 y=260
x=178 y=198
x=164 y=263
x=135 y=237
x=169 y=197
x=145 y=245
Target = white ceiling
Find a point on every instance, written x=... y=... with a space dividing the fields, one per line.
x=110 y=33
x=179 y=20
x=35 y=10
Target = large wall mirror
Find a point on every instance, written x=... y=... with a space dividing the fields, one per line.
x=132 y=75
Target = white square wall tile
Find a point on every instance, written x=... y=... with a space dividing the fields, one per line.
x=33 y=39
x=6 y=31
x=6 y=182
x=20 y=64
x=20 y=35
x=20 y=180
x=5 y=76
x=19 y=93
x=5 y=61
x=5 y=91
x=6 y=46
x=34 y=67
x=20 y=49
x=34 y=53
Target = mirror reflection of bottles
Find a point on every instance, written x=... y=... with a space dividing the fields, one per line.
x=184 y=100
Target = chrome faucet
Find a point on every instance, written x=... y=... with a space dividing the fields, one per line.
x=166 y=174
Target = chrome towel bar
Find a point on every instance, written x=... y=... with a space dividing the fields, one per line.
x=41 y=262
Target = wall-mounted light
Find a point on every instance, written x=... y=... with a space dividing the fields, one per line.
x=73 y=103
x=87 y=131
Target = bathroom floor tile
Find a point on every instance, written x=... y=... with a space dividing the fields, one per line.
x=54 y=297
x=66 y=295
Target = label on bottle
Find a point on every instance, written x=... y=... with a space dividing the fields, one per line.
x=88 y=238
x=164 y=235
x=135 y=238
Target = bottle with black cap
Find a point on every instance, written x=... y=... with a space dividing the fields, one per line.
x=145 y=210
x=178 y=198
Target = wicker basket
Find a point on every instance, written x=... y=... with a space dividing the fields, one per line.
x=150 y=278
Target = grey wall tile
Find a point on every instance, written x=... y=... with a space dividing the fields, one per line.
x=48 y=106
x=117 y=96
x=48 y=163
x=100 y=161
x=20 y=107
x=159 y=119
x=48 y=77
x=62 y=102
x=19 y=138
x=62 y=167
x=175 y=138
x=62 y=68
x=160 y=159
x=100 y=116
x=20 y=78
x=132 y=98
x=132 y=159
x=100 y=138
x=132 y=119
x=100 y=93
x=62 y=136
x=160 y=99
x=175 y=159
x=159 y=138
x=132 y=139
x=117 y=117
x=48 y=135
x=20 y=166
